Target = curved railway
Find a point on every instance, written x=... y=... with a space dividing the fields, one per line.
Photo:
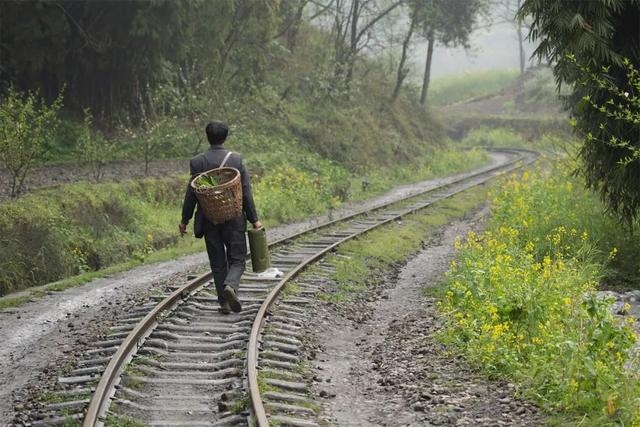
x=180 y=362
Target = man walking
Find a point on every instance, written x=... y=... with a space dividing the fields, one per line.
x=226 y=243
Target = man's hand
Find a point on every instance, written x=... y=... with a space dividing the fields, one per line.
x=183 y=229
x=257 y=225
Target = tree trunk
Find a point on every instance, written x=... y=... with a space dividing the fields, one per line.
x=353 y=43
x=349 y=76
x=521 y=45
x=14 y=186
x=198 y=138
x=20 y=176
x=294 y=28
x=402 y=72
x=427 y=68
x=147 y=160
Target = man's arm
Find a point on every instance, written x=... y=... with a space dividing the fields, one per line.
x=189 y=203
x=248 y=205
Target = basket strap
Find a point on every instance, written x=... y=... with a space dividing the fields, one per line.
x=225 y=159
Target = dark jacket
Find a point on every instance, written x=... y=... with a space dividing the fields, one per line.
x=211 y=159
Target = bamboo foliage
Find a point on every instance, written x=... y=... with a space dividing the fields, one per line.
x=592 y=49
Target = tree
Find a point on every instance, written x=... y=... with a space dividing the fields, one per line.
x=26 y=121
x=352 y=28
x=291 y=12
x=508 y=11
x=153 y=118
x=105 y=51
x=448 y=22
x=592 y=52
x=93 y=149
x=402 y=70
x=94 y=48
x=247 y=27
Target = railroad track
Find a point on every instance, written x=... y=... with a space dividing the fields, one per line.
x=177 y=361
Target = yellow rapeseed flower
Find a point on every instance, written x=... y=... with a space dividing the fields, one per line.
x=573 y=384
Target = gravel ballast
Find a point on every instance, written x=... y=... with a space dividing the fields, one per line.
x=378 y=362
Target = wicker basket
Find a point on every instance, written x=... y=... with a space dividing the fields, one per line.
x=222 y=202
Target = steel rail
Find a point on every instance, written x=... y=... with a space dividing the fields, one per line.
x=257 y=405
x=106 y=387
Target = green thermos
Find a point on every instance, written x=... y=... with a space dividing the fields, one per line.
x=259 y=250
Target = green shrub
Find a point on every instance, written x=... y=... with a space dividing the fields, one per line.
x=72 y=229
x=541 y=88
x=445 y=161
x=361 y=261
x=508 y=138
x=289 y=193
x=26 y=122
x=60 y=232
x=493 y=137
x=521 y=301
x=61 y=147
x=530 y=128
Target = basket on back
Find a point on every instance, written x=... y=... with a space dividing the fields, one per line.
x=221 y=199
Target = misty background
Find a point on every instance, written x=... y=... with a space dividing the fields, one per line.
x=495 y=47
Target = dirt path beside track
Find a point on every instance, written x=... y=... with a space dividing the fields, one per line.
x=390 y=370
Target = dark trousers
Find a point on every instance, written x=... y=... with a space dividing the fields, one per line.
x=227 y=250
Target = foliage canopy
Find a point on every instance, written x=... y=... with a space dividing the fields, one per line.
x=592 y=48
x=107 y=52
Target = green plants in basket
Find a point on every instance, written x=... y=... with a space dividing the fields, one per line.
x=207 y=181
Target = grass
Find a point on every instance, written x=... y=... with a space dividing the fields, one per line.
x=521 y=303
x=188 y=245
x=290 y=290
x=132 y=373
x=11 y=302
x=285 y=376
x=301 y=368
x=145 y=359
x=531 y=128
x=462 y=87
x=124 y=225
x=240 y=406
x=377 y=250
x=263 y=387
x=504 y=137
x=80 y=228
x=122 y=421
x=447 y=161
x=49 y=397
x=239 y=354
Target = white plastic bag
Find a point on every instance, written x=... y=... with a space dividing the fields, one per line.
x=271 y=273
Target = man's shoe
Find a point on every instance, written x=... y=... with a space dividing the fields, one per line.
x=231 y=298
x=224 y=308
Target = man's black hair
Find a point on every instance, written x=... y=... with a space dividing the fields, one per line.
x=217 y=132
